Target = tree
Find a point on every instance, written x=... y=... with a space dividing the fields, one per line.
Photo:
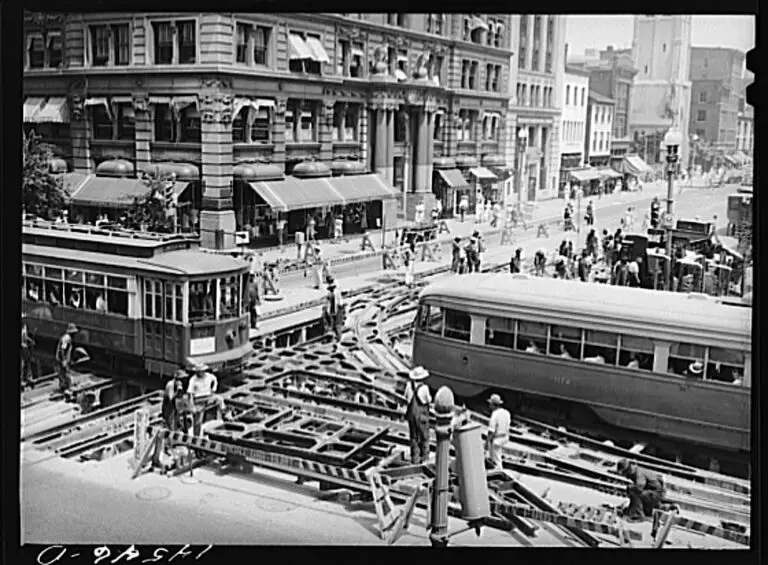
x=150 y=210
x=42 y=193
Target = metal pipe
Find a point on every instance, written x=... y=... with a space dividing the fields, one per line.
x=444 y=405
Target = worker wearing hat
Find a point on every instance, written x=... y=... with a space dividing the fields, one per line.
x=417 y=414
x=174 y=389
x=202 y=389
x=64 y=358
x=334 y=308
x=498 y=430
x=646 y=492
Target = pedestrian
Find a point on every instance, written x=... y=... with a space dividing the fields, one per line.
x=633 y=275
x=498 y=430
x=409 y=264
x=583 y=267
x=319 y=270
x=480 y=251
x=417 y=415
x=471 y=251
x=589 y=216
x=591 y=248
x=621 y=273
x=64 y=350
x=174 y=389
x=646 y=493
x=27 y=345
x=516 y=263
x=495 y=215
x=439 y=207
x=463 y=206
x=311 y=229
x=254 y=300
x=338 y=229
x=419 y=212
x=567 y=218
x=334 y=309
x=456 y=254
x=280 y=232
x=540 y=262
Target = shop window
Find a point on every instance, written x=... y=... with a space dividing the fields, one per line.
x=230 y=297
x=636 y=353
x=101 y=122
x=531 y=337
x=164 y=123
x=457 y=325
x=600 y=347
x=500 y=332
x=725 y=365
x=163 y=43
x=126 y=123
x=565 y=342
x=681 y=355
x=261 y=128
x=55 y=51
x=35 y=52
x=187 y=42
x=202 y=300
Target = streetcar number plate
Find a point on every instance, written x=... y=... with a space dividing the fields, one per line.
x=562 y=380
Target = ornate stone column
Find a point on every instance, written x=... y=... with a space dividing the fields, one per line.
x=278 y=130
x=380 y=141
x=217 y=220
x=389 y=168
x=325 y=131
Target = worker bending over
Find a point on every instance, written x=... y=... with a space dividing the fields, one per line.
x=645 y=493
x=417 y=415
x=498 y=430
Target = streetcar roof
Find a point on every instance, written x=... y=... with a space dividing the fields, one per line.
x=647 y=310
x=189 y=262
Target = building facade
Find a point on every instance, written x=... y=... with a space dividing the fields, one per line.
x=573 y=122
x=715 y=82
x=661 y=94
x=597 y=142
x=538 y=62
x=745 y=139
x=250 y=96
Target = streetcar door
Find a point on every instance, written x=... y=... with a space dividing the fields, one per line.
x=154 y=325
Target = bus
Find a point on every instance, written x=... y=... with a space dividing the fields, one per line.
x=624 y=353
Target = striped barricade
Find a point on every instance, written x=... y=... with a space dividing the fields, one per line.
x=702 y=528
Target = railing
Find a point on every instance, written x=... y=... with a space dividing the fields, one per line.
x=111 y=233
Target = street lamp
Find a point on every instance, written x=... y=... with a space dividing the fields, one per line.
x=522 y=137
x=672 y=140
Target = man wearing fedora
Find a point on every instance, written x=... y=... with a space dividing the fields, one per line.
x=695 y=370
x=645 y=493
x=417 y=414
x=498 y=430
x=64 y=358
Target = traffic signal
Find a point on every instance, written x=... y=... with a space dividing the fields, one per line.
x=168 y=193
x=655 y=214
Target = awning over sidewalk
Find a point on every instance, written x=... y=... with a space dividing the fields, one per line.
x=634 y=165
x=732 y=160
x=585 y=175
x=297 y=194
x=106 y=192
x=482 y=173
x=31 y=108
x=607 y=172
x=453 y=178
x=53 y=110
x=363 y=188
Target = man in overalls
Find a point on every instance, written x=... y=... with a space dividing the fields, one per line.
x=417 y=415
x=64 y=358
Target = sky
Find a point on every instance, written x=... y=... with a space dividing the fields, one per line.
x=585 y=31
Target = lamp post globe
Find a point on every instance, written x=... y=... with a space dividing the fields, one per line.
x=673 y=139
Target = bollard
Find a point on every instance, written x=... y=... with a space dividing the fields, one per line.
x=444 y=405
x=470 y=467
x=140 y=425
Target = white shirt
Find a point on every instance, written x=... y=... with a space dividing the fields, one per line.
x=498 y=425
x=202 y=385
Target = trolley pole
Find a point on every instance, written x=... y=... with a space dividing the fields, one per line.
x=444 y=406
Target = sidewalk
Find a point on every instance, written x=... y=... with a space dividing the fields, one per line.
x=543 y=211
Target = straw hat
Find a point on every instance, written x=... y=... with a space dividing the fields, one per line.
x=495 y=400
x=198 y=368
x=72 y=328
x=180 y=374
x=696 y=368
x=418 y=374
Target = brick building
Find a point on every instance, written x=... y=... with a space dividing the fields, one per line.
x=716 y=83
x=261 y=113
x=573 y=123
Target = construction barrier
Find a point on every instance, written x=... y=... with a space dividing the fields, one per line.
x=671 y=520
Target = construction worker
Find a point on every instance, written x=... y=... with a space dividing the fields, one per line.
x=498 y=430
x=27 y=344
x=64 y=358
x=417 y=415
x=173 y=389
x=202 y=388
x=333 y=311
x=254 y=300
x=646 y=492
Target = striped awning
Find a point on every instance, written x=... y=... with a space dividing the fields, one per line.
x=31 y=108
x=363 y=188
x=54 y=110
x=317 y=49
x=107 y=192
x=298 y=48
x=297 y=194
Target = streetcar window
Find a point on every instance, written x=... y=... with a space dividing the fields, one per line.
x=117 y=282
x=500 y=332
x=74 y=295
x=179 y=297
x=725 y=365
x=34 y=289
x=202 y=300
x=422 y=317
x=149 y=311
x=457 y=325
x=531 y=337
x=600 y=347
x=153 y=299
x=565 y=342
x=51 y=273
x=34 y=270
x=94 y=279
x=244 y=295
x=169 y=302
x=230 y=293
x=74 y=276
x=117 y=302
x=53 y=292
x=636 y=353
x=434 y=320
x=682 y=355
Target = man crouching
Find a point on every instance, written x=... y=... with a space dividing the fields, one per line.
x=645 y=493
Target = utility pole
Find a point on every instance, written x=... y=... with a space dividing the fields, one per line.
x=672 y=140
x=522 y=138
x=444 y=406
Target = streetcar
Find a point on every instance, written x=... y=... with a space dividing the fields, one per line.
x=625 y=353
x=145 y=304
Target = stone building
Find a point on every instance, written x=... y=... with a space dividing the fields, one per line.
x=267 y=114
x=573 y=123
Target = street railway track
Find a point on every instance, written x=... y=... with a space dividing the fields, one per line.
x=367 y=361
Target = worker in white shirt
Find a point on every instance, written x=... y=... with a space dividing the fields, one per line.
x=498 y=430
x=202 y=388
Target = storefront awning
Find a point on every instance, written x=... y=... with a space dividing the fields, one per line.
x=106 y=192
x=608 y=173
x=317 y=49
x=634 y=165
x=55 y=111
x=298 y=48
x=482 y=173
x=297 y=194
x=731 y=159
x=100 y=101
x=453 y=178
x=363 y=188
x=585 y=175
x=31 y=108
x=476 y=22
